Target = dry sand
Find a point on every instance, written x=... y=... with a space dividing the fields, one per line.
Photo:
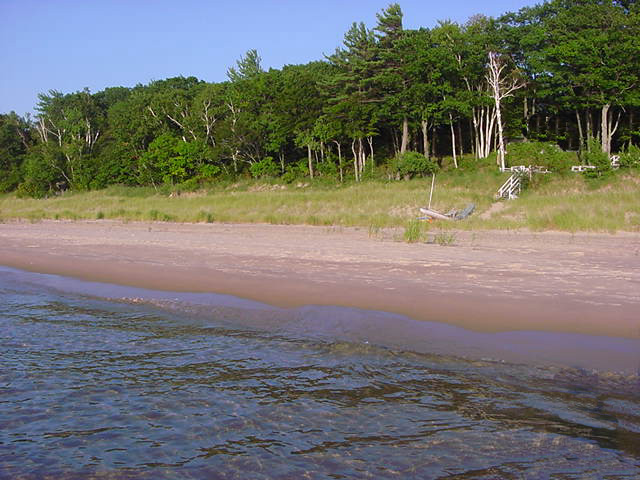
x=484 y=281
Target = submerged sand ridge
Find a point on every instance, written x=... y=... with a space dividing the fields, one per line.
x=485 y=281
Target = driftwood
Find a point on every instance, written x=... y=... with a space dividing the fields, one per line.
x=433 y=214
x=452 y=215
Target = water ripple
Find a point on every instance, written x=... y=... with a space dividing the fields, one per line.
x=97 y=389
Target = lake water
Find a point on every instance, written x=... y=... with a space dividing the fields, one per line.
x=99 y=381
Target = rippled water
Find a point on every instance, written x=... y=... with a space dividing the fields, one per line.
x=125 y=389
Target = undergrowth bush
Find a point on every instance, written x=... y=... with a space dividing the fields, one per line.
x=630 y=158
x=544 y=154
x=265 y=168
x=410 y=164
x=599 y=159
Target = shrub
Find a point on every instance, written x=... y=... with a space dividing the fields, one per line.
x=264 y=168
x=327 y=168
x=42 y=172
x=208 y=170
x=598 y=159
x=295 y=171
x=190 y=185
x=544 y=154
x=410 y=164
x=10 y=181
x=630 y=158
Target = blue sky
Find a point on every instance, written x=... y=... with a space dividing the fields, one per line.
x=67 y=45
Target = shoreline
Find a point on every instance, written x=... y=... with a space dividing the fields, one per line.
x=486 y=282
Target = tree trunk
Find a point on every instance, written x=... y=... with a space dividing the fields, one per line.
x=527 y=114
x=453 y=142
x=394 y=140
x=580 y=132
x=310 y=161
x=501 y=149
x=355 y=160
x=482 y=136
x=604 y=128
x=339 y=160
x=474 y=142
x=362 y=159
x=491 y=129
x=607 y=127
x=425 y=138
x=234 y=157
x=405 y=135
x=589 y=130
x=434 y=143
x=477 y=133
x=459 y=135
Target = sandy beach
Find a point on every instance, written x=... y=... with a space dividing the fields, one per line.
x=483 y=281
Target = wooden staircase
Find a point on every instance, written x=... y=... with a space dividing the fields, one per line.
x=512 y=187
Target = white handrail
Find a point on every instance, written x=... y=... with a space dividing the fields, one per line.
x=510 y=187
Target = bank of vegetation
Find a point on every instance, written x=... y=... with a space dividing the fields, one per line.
x=554 y=85
x=569 y=202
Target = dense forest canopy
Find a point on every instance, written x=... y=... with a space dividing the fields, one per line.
x=564 y=71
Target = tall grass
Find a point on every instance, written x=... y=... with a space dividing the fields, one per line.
x=555 y=202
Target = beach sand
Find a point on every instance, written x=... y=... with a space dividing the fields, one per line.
x=484 y=281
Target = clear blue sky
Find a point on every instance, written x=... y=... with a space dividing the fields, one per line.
x=67 y=45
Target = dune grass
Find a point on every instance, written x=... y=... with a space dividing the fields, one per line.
x=553 y=202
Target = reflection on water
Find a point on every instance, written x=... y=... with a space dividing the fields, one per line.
x=97 y=389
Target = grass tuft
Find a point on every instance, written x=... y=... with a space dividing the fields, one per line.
x=413 y=231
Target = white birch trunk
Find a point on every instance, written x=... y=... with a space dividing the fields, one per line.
x=310 y=160
x=453 y=141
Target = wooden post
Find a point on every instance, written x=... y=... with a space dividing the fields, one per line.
x=433 y=180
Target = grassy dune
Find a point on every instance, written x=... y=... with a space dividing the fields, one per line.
x=551 y=202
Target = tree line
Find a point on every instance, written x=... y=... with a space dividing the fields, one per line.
x=389 y=98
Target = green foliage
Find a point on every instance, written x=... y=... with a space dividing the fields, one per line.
x=327 y=169
x=598 y=159
x=171 y=160
x=116 y=164
x=295 y=171
x=208 y=170
x=15 y=137
x=43 y=172
x=265 y=168
x=579 y=59
x=11 y=179
x=410 y=164
x=246 y=68
x=630 y=158
x=545 y=154
x=206 y=216
x=158 y=216
x=414 y=231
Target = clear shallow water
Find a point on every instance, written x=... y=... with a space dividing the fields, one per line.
x=127 y=389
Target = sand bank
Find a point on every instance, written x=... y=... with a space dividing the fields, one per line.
x=485 y=281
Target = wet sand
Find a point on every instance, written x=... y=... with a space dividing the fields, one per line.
x=484 y=281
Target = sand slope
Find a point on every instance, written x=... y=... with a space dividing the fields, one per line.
x=486 y=281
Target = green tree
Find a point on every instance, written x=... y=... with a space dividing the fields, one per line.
x=73 y=124
x=15 y=141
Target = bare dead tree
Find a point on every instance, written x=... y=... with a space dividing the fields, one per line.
x=503 y=84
